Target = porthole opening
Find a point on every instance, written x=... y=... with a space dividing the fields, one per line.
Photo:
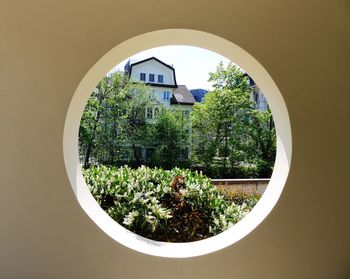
x=149 y=150
x=166 y=157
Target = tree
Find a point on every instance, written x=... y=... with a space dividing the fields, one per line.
x=230 y=135
x=113 y=122
x=170 y=138
x=230 y=77
x=95 y=116
x=219 y=125
x=135 y=125
x=264 y=137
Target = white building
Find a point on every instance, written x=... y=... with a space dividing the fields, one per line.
x=161 y=77
x=257 y=96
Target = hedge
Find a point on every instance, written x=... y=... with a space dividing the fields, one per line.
x=175 y=205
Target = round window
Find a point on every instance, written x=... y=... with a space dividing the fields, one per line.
x=145 y=151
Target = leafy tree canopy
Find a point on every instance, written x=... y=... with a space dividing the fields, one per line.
x=230 y=134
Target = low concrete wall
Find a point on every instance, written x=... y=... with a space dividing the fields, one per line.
x=247 y=185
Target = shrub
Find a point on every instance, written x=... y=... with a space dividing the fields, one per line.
x=240 y=197
x=165 y=205
x=264 y=168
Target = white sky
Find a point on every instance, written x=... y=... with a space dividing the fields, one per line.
x=192 y=64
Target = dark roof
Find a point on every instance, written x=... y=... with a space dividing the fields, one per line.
x=198 y=94
x=129 y=65
x=181 y=95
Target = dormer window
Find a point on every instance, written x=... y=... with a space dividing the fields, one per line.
x=143 y=76
x=160 y=78
x=151 y=77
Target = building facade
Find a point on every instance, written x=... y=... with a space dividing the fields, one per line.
x=166 y=92
x=257 y=96
x=162 y=79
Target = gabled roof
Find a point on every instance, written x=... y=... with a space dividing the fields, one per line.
x=130 y=65
x=181 y=95
x=151 y=58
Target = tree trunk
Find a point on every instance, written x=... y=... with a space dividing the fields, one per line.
x=87 y=156
x=91 y=143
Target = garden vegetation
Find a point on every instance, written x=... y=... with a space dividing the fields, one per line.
x=175 y=205
x=225 y=136
x=167 y=195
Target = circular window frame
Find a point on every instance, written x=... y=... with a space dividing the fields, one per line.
x=192 y=38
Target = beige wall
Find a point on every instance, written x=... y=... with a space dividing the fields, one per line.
x=46 y=47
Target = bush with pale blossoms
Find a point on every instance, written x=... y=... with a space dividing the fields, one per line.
x=175 y=205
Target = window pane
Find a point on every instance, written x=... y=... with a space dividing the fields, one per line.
x=149 y=113
x=143 y=76
x=166 y=95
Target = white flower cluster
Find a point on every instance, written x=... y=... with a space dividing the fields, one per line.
x=129 y=219
x=137 y=198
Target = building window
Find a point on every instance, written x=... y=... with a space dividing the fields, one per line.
x=152 y=94
x=156 y=112
x=185 y=113
x=143 y=76
x=151 y=77
x=185 y=250
x=160 y=78
x=149 y=113
x=256 y=97
x=166 y=95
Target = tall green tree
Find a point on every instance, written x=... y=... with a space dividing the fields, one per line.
x=170 y=138
x=219 y=125
x=95 y=117
x=113 y=122
x=135 y=125
x=263 y=135
x=230 y=77
x=229 y=133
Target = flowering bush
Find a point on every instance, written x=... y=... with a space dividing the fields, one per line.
x=175 y=206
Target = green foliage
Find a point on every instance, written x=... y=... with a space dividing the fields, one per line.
x=229 y=78
x=114 y=129
x=231 y=138
x=170 y=138
x=166 y=205
x=264 y=137
x=241 y=197
x=225 y=136
x=219 y=125
x=113 y=124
